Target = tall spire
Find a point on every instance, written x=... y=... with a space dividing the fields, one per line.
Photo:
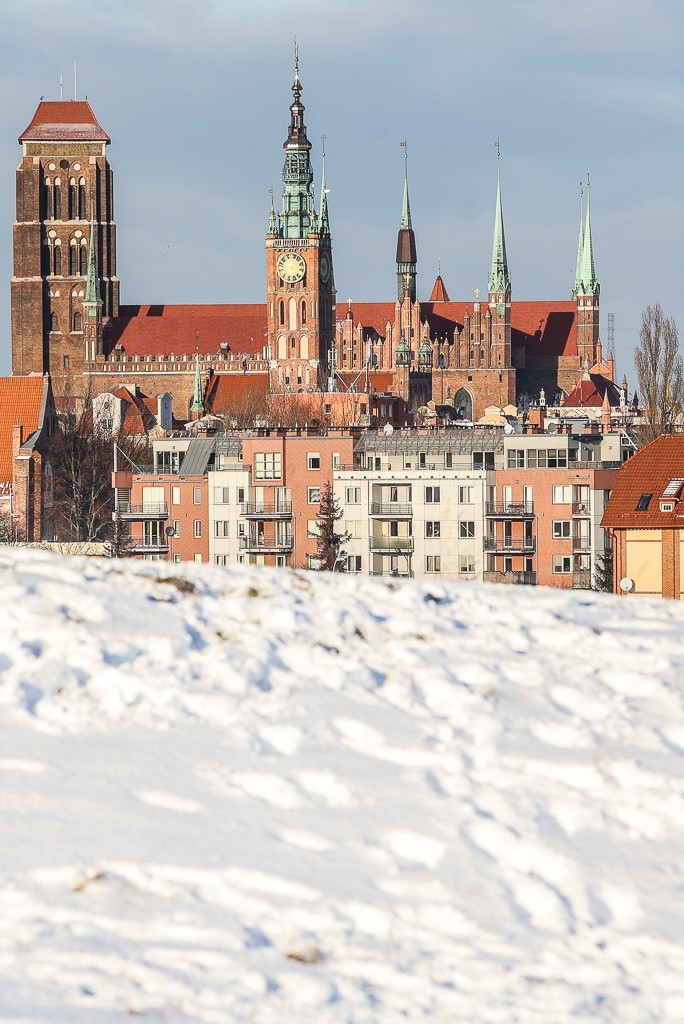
x=499 y=279
x=406 y=243
x=323 y=220
x=197 y=404
x=587 y=283
x=298 y=210
x=580 y=246
x=92 y=292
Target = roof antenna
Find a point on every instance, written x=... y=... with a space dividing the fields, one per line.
x=61 y=87
x=74 y=80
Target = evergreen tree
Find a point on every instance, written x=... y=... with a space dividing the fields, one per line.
x=603 y=574
x=329 y=540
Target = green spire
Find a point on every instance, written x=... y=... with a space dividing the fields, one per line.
x=323 y=220
x=587 y=283
x=499 y=279
x=298 y=212
x=580 y=247
x=92 y=292
x=197 y=404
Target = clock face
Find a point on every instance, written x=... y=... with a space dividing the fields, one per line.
x=325 y=267
x=291 y=267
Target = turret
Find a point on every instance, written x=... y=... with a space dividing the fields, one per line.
x=92 y=303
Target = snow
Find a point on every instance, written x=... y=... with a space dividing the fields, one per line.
x=265 y=796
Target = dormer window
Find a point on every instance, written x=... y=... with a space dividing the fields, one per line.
x=643 y=502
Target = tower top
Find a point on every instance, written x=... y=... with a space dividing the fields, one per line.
x=92 y=293
x=64 y=121
x=296 y=136
x=587 y=283
x=406 y=239
x=499 y=278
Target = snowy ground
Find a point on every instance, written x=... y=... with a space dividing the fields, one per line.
x=268 y=797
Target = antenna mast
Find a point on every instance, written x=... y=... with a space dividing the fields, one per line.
x=74 y=80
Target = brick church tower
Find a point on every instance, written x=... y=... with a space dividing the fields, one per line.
x=64 y=194
x=299 y=273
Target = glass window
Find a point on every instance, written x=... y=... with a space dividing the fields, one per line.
x=561 y=528
x=466 y=563
x=562 y=563
x=221 y=528
x=198 y=527
x=313 y=495
x=433 y=563
x=197 y=495
x=466 y=495
x=466 y=528
x=562 y=494
x=267 y=465
x=432 y=528
x=516 y=458
x=353 y=495
x=448 y=460
x=175 y=496
x=432 y=495
x=313 y=460
x=643 y=503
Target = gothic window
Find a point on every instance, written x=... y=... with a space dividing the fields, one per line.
x=281 y=314
x=73 y=199
x=57 y=259
x=82 y=214
x=54 y=324
x=292 y=313
x=463 y=404
x=57 y=199
x=46 y=198
x=73 y=261
x=66 y=362
x=83 y=258
x=303 y=312
x=78 y=322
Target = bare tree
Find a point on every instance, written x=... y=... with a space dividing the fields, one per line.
x=660 y=372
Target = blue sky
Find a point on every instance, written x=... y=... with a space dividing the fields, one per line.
x=195 y=98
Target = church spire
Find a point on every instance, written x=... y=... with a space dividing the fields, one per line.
x=298 y=218
x=323 y=220
x=92 y=292
x=406 y=244
x=499 y=279
x=587 y=283
x=197 y=404
x=580 y=246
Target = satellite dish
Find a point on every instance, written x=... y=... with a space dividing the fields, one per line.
x=626 y=584
x=388 y=429
x=551 y=428
x=170 y=530
x=508 y=429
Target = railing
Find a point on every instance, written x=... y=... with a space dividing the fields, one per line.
x=259 y=545
x=581 y=580
x=509 y=545
x=146 y=510
x=581 y=508
x=262 y=510
x=510 y=509
x=581 y=543
x=594 y=465
x=141 y=546
x=390 y=509
x=402 y=575
x=512 y=577
x=391 y=544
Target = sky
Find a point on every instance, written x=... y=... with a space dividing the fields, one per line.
x=195 y=94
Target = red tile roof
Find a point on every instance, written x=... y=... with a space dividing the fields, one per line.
x=648 y=472
x=139 y=417
x=21 y=401
x=236 y=392
x=439 y=292
x=591 y=392
x=64 y=121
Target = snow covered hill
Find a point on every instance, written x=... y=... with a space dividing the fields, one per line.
x=266 y=797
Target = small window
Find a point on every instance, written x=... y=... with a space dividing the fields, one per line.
x=313 y=495
x=335 y=456
x=197 y=495
x=432 y=528
x=198 y=558
x=465 y=495
x=222 y=528
x=220 y=495
x=313 y=460
x=562 y=563
x=433 y=563
x=562 y=494
x=353 y=495
x=267 y=465
x=78 y=322
x=643 y=502
x=448 y=460
x=54 y=323
x=466 y=564
x=176 y=558
x=354 y=563
x=198 y=528
x=516 y=458
x=313 y=528
x=175 y=496
x=66 y=362
x=466 y=528
x=176 y=528
x=561 y=528
x=432 y=495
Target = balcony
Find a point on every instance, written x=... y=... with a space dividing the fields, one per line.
x=509 y=509
x=390 y=510
x=581 y=508
x=265 y=546
x=510 y=545
x=392 y=545
x=147 y=510
x=581 y=580
x=581 y=543
x=261 y=510
x=149 y=547
x=511 y=577
x=406 y=575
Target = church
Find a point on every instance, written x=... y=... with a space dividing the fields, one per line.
x=68 y=321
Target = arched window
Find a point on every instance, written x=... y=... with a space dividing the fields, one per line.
x=54 y=324
x=73 y=199
x=303 y=311
x=82 y=212
x=46 y=199
x=78 y=322
x=463 y=404
x=73 y=261
x=83 y=256
x=57 y=260
x=57 y=199
x=281 y=313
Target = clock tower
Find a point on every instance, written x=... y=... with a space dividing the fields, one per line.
x=299 y=274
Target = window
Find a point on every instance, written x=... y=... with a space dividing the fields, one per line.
x=197 y=495
x=643 y=502
x=466 y=563
x=541 y=458
x=198 y=558
x=562 y=563
x=241 y=495
x=483 y=460
x=432 y=528
x=222 y=528
x=353 y=528
x=66 y=362
x=516 y=458
x=466 y=528
x=267 y=465
x=353 y=495
x=335 y=458
x=313 y=528
x=313 y=495
x=448 y=460
x=54 y=323
x=220 y=495
x=73 y=199
x=175 y=496
x=562 y=494
x=221 y=559
x=198 y=528
x=83 y=261
x=58 y=260
x=282 y=561
x=57 y=200
x=169 y=462
x=353 y=563
x=313 y=460
x=432 y=495
x=313 y=562
x=73 y=261
x=421 y=460
x=176 y=558
x=81 y=199
x=408 y=460
x=176 y=528
x=78 y=322
x=433 y=563
x=561 y=528
x=466 y=495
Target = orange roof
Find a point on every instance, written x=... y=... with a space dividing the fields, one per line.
x=64 y=121
x=236 y=392
x=592 y=392
x=439 y=292
x=138 y=417
x=181 y=330
x=21 y=401
x=648 y=472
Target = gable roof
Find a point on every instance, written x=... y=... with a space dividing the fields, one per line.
x=647 y=472
x=64 y=121
x=592 y=392
x=22 y=400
